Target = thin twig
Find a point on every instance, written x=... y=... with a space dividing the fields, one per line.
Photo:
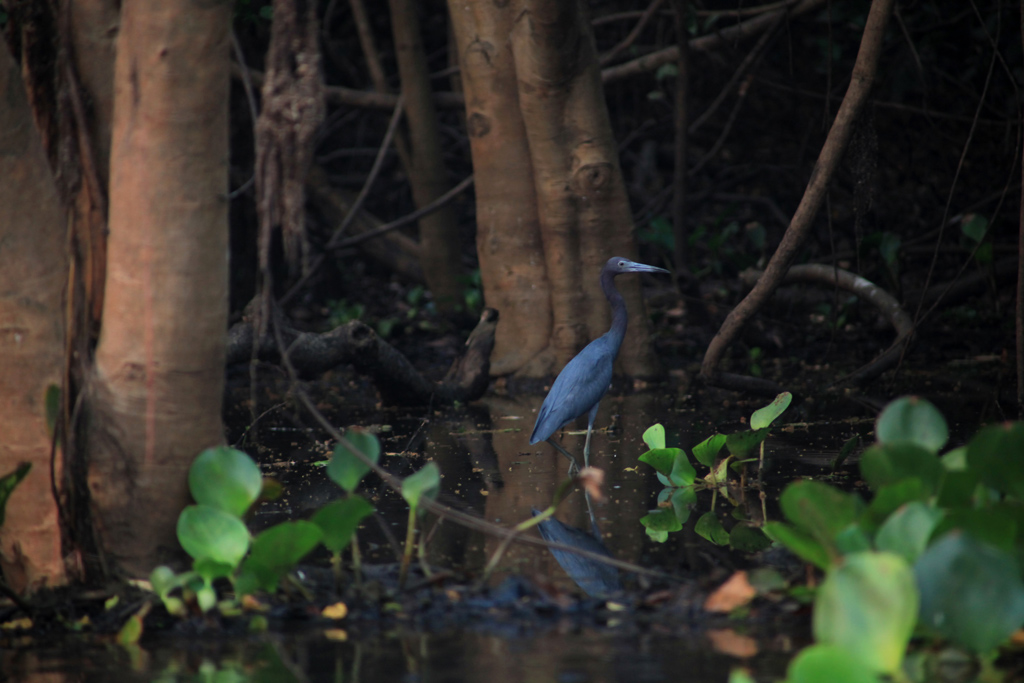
x=609 y=56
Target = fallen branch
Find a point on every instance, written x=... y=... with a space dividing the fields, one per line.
x=354 y=343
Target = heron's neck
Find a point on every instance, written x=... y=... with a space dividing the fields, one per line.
x=618 y=329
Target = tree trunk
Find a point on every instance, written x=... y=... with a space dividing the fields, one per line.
x=33 y=271
x=440 y=254
x=579 y=213
x=155 y=395
x=507 y=228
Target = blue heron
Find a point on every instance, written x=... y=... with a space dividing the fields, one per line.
x=584 y=381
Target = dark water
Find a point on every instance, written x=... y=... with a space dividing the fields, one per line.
x=490 y=469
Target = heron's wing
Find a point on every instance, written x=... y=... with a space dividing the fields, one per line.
x=580 y=385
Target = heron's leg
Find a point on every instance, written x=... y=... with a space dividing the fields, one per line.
x=590 y=430
x=573 y=465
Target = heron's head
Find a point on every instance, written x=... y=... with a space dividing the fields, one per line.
x=618 y=265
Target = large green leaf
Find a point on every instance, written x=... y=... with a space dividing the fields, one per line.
x=742 y=443
x=763 y=417
x=996 y=525
x=748 y=539
x=710 y=527
x=820 y=509
x=339 y=520
x=890 y=498
x=800 y=543
x=906 y=531
x=424 y=483
x=971 y=592
x=226 y=479
x=654 y=437
x=868 y=606
x=206 y=532
x=912 y=419
x=277 y=550
x=671 y=464
x=346 y=469
x=660 y=523
x=891 y=463
x=706 y=452
x=829 y=664
x=997 y=454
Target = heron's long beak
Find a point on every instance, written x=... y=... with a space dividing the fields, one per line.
x=634 y=267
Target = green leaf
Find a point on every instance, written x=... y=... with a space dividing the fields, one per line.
x=890 y=498
x=800 y=543
x=683 y=499
x=971 y=592
x=819 y=509
x=748 y=539
x=654 y=437
x=974 y=227
x=741 y=443
x=868 y=606
x=894 y=462
x=277 y=550
x=226 y=479
x=831 y=663
x=915 y=420
x=339 y=520
x=710 y=527
x=659 y=523
x=995 y=526
x=763 y=417
x=8 y=483
x=706 y=452
x=682 y=473
x=426 y=482
x=346 y=469
x=206 y=532
x=995 y=453
x=907 y=530
x=663 y=460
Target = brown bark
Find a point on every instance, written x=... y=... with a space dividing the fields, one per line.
x=581 y=197
x=863 y=75
x=33 y=269
x=157 y=384
x=508 y=234
x=440 y=252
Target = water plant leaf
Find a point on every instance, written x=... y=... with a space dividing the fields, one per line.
x=339 y=520
x=683 y=499
x=662 y=460
x=802 y=544
x=971 y=592
x=995 y=453
x=893 y=462
x=682 y=473
x=706 y=452
x=8 y=483
x=346 y=469
x=820 y=509
x=830 y=663
x=957 y=488
x=915 y=420
x=748 y=539
x=763 y=417
x=660 y=523
x=654 y=437
x=741 y=443
x=277 y=550
x=208 y=532
x=995 y=526
x=868 y=606
x=226 y=479
x=907 y=530
x=710 y=527
x=425 y=482
x=890 y=498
